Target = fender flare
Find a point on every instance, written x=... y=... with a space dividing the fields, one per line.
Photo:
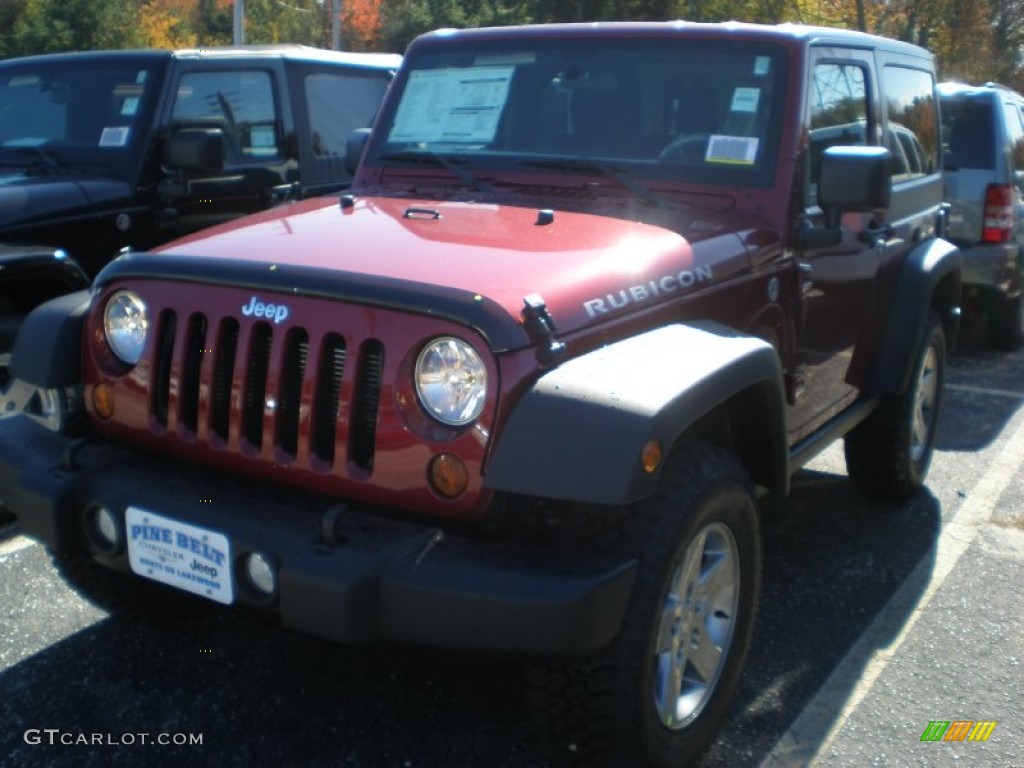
x=48 y=350
x=577 y=434
x=929 y=278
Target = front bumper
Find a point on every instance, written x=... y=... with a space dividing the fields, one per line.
x=343 y=575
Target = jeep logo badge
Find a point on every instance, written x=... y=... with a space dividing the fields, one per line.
x=256 y=308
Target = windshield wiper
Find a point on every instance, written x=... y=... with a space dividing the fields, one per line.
x=592 y=164
x=47 y=159
x=435 y=158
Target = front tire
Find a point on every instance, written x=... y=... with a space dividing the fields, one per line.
x=888 y=454
x=658 y=694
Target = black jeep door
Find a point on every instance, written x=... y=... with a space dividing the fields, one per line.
x=241 y=106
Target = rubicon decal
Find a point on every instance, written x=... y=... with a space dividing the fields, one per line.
x=958 y=730
x=652 y=289
x=276 y=312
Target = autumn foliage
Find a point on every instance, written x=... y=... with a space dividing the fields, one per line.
x=973 y=40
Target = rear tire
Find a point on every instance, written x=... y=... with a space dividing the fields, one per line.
x=887 y=455
x=658 y=694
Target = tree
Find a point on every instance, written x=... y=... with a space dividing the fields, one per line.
x=74 y=25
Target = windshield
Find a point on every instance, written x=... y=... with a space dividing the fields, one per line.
x=696 y=111
x=54 y=119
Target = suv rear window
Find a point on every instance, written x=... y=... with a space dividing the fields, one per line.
x=967 y=132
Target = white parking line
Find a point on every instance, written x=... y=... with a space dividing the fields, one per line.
x=16 y=544
x=802 y=744
x=985 y=391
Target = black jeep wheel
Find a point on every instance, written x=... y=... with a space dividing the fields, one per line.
x=657 y=695
x=122 y=595
x=1006 y=322
x=887 y=455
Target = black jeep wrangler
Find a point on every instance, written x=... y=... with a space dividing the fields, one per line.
x=601 y=286
x=103 y=150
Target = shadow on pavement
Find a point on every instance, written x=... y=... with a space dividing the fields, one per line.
x=832 y=562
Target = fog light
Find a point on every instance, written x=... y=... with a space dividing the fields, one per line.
x=448 y=475
x=260 y=573
x=103 y=401
x=106 y=534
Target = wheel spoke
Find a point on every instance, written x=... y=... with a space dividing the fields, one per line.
x=704 y=655
x=668 y=628
x=669 y=684
x=719 y=580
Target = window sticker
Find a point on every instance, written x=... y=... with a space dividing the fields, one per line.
x=140 y=78
x=130 y=106
x=507 y=59
x=762 y=65
x=459 y=105
x=745 y=100
x=262 y=136
x=114 y=136
x=733 y=150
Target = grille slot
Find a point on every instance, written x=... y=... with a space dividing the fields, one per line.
x=161 y=389
x=256 y=384
x=289 y=396
x=327 y=397
x=223 y=375
x=366 y=404
x=189 y=392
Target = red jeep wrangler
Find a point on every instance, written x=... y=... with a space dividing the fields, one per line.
x=595 y=287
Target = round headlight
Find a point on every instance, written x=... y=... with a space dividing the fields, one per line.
x=451 y=381
x=126 y=324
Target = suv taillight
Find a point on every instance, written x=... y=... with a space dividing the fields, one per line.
x=998 y=216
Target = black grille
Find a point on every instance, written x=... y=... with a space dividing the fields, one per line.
x=251 y=384
x=327 y=397
x=223 y=375
x=367 y=402
x=256 y=370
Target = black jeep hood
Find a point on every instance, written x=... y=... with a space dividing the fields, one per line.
x=32 y=200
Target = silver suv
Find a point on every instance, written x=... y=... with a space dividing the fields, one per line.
x=983 y=142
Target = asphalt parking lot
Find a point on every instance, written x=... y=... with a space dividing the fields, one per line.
x=875 y=620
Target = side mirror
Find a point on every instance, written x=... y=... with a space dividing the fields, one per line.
x=354 y=148
x=854 y=178
x=196 y=149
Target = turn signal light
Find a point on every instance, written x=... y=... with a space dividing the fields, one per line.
x=448 y=475
x=103 y=401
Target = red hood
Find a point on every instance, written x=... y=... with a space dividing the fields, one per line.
x=586 y=267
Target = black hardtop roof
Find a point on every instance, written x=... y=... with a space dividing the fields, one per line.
x=792 y=34
x=290 y=52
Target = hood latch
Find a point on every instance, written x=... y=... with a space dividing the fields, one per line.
x=540 y=327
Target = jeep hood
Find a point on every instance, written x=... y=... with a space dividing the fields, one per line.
x=29 y=199
x=587 y=268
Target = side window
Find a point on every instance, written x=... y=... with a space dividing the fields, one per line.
x=839 y=113
x=338 y=104
x=1015 y=135
x=240 y=103
x=912 y=133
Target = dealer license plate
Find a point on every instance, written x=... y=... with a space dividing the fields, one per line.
x=180 y=555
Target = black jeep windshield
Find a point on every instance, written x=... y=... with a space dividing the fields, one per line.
x=696 y=111
x=91 y=115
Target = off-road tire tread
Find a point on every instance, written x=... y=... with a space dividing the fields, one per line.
x=877 y=451
x=580 y=720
